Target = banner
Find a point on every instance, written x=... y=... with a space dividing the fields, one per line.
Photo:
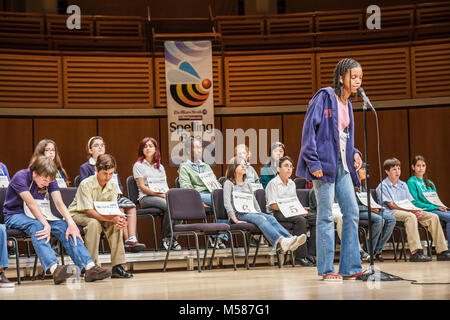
x=190 y=101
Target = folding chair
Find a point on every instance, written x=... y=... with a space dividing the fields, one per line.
x=76 y=181
x=235 y=228
x=151 y=213
x=187 y=205
x=300 y=183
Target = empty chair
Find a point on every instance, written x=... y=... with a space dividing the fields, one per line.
x=187 y=205
x=300 y=183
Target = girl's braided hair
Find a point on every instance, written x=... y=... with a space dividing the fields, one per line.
x=340 y=71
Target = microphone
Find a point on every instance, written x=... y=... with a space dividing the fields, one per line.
x=366 y=99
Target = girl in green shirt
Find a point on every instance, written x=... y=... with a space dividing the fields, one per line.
x=418 y=184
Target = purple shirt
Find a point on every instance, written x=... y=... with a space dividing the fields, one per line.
x=20 y=183
x=87 y=170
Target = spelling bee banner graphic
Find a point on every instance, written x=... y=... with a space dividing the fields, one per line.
x=190 y=101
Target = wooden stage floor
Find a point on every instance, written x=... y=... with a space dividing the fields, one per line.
x=260 y=283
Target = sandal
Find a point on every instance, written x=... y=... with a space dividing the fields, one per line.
x=332 y=277
x=353 y=276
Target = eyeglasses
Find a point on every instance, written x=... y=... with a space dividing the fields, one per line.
x=98 y=145
x=50 y=150
x=149 y=146
x=288 y=167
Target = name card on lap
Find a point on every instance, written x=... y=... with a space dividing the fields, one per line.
x=256 y=186
x=210 y=181
x=158 y=185
x=116 y=180
x=362 y=196
x=406 y=205
x=4 y=183
x=44 y=205
x=61 y=183
x=291 y=207
x=433 y=198
x=108 y=208
x=243 y=202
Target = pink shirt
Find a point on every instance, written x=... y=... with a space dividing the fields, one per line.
x=343 y=117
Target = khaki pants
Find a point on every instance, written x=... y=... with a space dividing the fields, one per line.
x=92 y=231
x=429 y=220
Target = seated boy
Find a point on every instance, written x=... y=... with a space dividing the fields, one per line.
x=92 y=193
x=25 y=208
x=394 y=193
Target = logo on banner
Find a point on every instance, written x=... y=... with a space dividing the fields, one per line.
x=192 y=94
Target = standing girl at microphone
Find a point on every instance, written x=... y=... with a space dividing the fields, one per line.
x=329 y=158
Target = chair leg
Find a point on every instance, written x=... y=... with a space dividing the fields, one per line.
x=154 y=233
x=28 y=249
x=232 y=250
x=16 y=249
x=428 y=241
x=167 y=253
x=244 y=239
x=61 y=248
x=256 y=252
x=213 y=252
x=198 y=252
x=393 y=247
x=206 y=251
x=34 y=268
x=403 y=246
x=292 y=259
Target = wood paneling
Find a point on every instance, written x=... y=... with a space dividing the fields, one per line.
x=393 y=141
x=256 y=123
x=292 y=133
x=269 y=79
x=430 y=70
x=430 y=138
x=71 y=144
x=30 y=81
x=122 y=138
x=17 y=143
x=386 y=72
x=113 y=82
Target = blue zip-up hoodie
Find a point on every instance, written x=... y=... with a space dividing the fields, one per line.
x=320 y=140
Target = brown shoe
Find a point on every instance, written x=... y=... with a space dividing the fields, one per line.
x=61 y=274
x=96 y=273
x=4 y=282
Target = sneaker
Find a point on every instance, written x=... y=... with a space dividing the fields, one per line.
x=364 y=255
x=419 y=257
x=134 y=246
x=176 y=246
x=299 y=240
x=443 y=256
x=165 y=243
x=378 y=257
x=61 y=274
x=287 y=243
x=219 y=245
x=96 y=273
x=4 y=282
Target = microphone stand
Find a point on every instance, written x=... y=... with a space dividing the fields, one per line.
x=371 y=274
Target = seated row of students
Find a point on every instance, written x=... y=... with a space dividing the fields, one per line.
x=278 y=186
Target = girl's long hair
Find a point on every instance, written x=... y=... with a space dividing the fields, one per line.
x=425 y=177
x=40 y=151
x=156 y=161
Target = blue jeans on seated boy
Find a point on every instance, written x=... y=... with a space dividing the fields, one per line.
x=444 y=216
x=382 y=228
x=3 y=248
x=269 y=226
x=79 y=254
x=206 y=198
x=342 y=187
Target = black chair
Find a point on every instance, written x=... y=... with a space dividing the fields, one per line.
x=187 y=205
x=76 y=181
x=151 y=213
x=15 y=235
x=177 y=182
x=235 y=228
x=300 y=183
x=222 y=180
